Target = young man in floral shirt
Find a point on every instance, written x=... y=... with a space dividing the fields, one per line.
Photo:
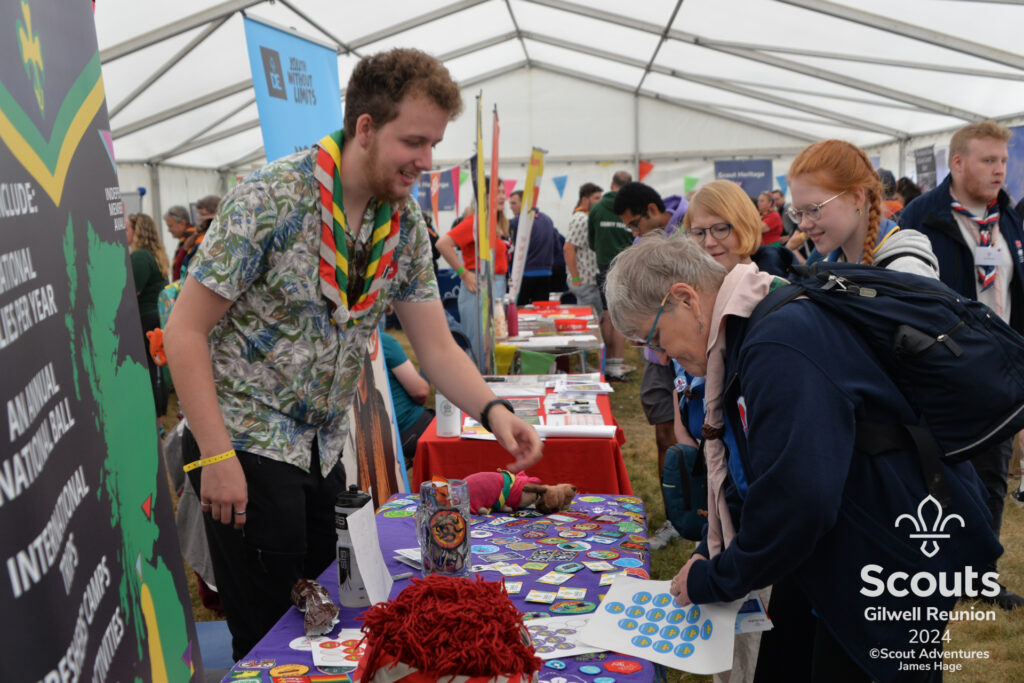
x=267 y=337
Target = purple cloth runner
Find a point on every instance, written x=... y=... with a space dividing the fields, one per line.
x=618 y=518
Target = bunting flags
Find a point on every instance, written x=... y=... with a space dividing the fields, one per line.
x=560 y=182
x=783 y=185
x=645 y=168
x=690 y=183
x=510 y=186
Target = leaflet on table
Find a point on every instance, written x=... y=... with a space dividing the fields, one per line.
x=576 y=378
x=554 y=340
x=343 y=650
x=562 y=410
x=596 y=387
x=362 y=530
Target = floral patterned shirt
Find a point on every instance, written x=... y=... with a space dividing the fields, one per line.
x=284 y=371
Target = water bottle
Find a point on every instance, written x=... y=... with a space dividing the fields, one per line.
x=351 y=591
x=449 y=417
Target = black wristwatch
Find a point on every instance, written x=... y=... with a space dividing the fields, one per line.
x=487 y=408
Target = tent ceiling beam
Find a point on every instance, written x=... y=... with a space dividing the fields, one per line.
x=225 y=9
x=519 y=32
x=719 y=84
x=182 y=108
x=832 y=96
x=771 y=60
x=199 y=134
x=202 y=142
x=342 y=47
x=255 y=155
x=684 y=104
x=868 y=59
x=402 y=26
x=475 y=47
x=661 y=41
x=166 y=66
x=623 y=157
x=900 y=28
x=500 y=71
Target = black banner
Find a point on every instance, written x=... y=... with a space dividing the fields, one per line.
x=92 y=583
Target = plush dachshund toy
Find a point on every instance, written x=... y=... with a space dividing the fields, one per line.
x=503 y=491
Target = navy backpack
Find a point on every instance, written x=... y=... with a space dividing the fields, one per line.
x=684 y=484
x=956 y=362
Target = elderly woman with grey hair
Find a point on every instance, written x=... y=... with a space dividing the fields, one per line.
x=818 y=513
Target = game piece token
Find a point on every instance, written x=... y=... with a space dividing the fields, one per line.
x=569 y=567
x=540 y=596
x=590 y=669
x=484 y=549
x=289 y=670
x=602 y=554
x=535 y=565
x=575 y=546
x=573 y=607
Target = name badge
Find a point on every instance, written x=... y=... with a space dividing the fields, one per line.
x=986 y=256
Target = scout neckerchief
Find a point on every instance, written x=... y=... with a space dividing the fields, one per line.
x=984 y=231
x=506 y=490
x=336 y=283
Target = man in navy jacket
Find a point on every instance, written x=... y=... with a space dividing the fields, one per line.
x=977 y=236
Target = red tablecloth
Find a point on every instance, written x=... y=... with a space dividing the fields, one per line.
x=592 y=465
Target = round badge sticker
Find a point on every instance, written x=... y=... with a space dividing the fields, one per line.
x=616 y=607
x=328 y=645
x=484 y=549
x=304 y=643
x=684 y=650
x=641 y=641
x=556 y=664
x=628 y=624
x=572 y=534
x=569 y=568
x=533 y=533
x=590 y=669
x=591 y=499
x=404 y=512
x=627 y=562
x=527 y=616
x=576 y=546
x=628 y=499
x=553 y=540
x=289 y=670
x=602 y=554
x=642 y=598
x=448 y=529
x=573 y=607
x=586 y=526
x=480 y=533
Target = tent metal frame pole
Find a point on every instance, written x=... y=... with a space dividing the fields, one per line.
x=903 y=157
x=636 y=133
x=867 y=59
x=470 y=82
x=202 y=142
x=183 y=108
x=875 y=21
x=519 y=32
x=661 y=41
x=154 y=192
x=190 y=22
x=851 y=121
x=681 y=103
x=414 y=22
x=770 y=60
x=168 y=65
x=833 y=96
x=341 y=47
x=254 y=155
x=198 y=134
x=475 y=47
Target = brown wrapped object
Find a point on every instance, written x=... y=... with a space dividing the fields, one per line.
x=313 y=600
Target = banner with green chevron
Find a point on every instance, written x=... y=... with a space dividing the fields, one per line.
x=92 y=585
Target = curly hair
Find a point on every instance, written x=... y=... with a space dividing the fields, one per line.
x=727 y=199
x=842 y=167
x=380 y=81
x=148 y=237
x=977 y=131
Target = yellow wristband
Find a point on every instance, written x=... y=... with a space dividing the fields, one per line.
x=209 y=461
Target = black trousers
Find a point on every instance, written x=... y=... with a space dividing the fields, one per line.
x=288 y=534
x=411 y=436
x=534 y=288
x=151 y=321
x=993 y=466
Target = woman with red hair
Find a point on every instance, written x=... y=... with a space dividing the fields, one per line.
x=837 y=202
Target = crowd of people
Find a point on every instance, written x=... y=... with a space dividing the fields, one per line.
x=281 y=283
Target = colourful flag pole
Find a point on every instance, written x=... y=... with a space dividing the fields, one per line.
x=531 y=190
x=484 y=254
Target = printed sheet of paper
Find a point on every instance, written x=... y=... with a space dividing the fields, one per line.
x=640 y=618
x=343 y=650
x=557 y=637
x=362 y=528
x=753 y=617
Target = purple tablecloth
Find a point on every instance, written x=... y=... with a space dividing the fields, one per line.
x=619 y=519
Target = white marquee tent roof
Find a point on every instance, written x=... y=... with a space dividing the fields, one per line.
x=597 y=80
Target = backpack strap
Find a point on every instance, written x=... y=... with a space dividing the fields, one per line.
x=875 y=438
x=887 y=261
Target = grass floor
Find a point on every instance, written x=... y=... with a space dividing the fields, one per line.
x=1003 y=639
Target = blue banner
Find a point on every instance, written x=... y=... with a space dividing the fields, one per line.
x=753 y=175
x=297 y=90
x=445 y=192
x=1015 y=166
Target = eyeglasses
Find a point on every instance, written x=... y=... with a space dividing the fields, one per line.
x=719 y=231
x=635 y=223
x=654 y=326
x=812 y=212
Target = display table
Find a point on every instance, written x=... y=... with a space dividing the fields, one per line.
x=592 y=465
x=559 y=330
x=619 y=519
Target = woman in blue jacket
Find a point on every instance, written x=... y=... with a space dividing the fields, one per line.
x=818 y=512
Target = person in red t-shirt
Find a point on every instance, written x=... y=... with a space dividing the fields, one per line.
x=463 y=236
x=772 y=230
